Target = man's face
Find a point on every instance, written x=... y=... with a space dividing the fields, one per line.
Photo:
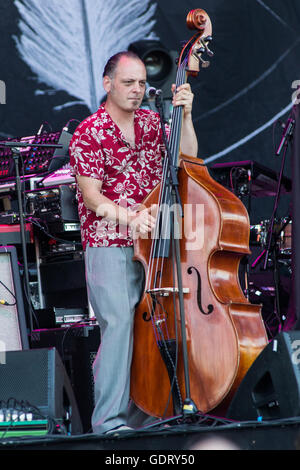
x=127 y=87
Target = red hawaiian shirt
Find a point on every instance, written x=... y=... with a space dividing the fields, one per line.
x=99 y=150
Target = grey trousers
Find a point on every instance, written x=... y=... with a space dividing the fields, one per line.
x=114 y=285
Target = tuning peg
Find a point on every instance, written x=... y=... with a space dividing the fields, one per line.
x=200 y=50
x=197 y=53
x=204 y=63
x=209 y=52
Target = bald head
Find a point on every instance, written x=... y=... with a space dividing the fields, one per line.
x=112 y=63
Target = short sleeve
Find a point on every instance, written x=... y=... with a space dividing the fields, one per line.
x=86 y=155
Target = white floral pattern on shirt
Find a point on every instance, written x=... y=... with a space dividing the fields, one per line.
x=99 y=150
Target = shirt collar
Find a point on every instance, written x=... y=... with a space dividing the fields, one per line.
x=108 y=123
x=106 y=120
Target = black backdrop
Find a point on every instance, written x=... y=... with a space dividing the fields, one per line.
x=238 y=100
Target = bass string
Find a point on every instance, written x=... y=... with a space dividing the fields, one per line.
x=161 y=233
x=174 y=152
x=162 y=227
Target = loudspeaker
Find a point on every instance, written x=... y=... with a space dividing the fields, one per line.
x=37 y=378
x=271 y=387
x=13 y=330
x=77 y=345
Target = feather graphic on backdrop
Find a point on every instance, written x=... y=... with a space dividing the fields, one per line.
x=66 y=44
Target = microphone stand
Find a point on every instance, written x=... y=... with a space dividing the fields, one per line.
x=271 y=240
x=189 y=407
x=16 y=153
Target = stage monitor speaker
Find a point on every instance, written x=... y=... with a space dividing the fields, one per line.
x=13 y=330
x=77 y=345
x=37 y=379
x=271 y=387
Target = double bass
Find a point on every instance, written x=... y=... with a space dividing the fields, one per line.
x=195 y=332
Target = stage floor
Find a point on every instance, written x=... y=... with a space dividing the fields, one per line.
x=249 y=435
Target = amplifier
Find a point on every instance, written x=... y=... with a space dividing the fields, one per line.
x=63 y=281
x=77 y=345
x=53 y=204
x=9 y=218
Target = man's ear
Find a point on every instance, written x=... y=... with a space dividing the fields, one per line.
x=107 y=83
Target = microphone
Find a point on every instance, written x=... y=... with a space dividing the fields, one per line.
x=287 y=133
x=152 y=92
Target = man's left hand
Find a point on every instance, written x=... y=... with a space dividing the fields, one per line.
x=183 y=96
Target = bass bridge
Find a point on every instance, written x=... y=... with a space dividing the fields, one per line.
x=166 y=291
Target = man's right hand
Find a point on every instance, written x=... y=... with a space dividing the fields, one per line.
x=143 y=221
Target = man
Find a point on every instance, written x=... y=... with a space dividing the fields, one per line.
x=116 y=155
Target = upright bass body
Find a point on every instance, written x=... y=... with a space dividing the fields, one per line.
x=224 y=332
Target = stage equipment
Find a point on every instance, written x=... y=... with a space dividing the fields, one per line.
x=77 y=345
x=18 y=154
x=285 y=140
x=295 y=215
x=59 y=256
x=285 y=238
x=271 y=249
x=16 y=149
x=250 y=178
x=261 y=286
x=61 y=155
x=160 y=64
x=62 y=276
x=36 y=156
x=282 y=234
x=58 y=250
x=35 y=381
x=61 y=176
x=271 y=387
x=10 y=232
x=13 y=330
x=57 y=204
